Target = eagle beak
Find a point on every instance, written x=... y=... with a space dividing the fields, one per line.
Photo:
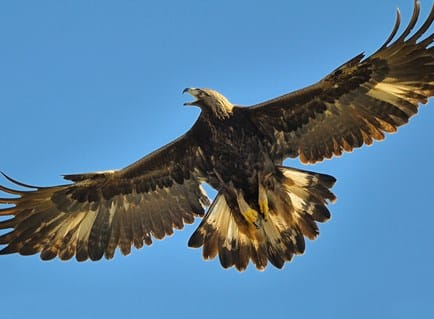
x=192 y=91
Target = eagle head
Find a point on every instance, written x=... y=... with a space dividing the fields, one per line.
x=210 y=101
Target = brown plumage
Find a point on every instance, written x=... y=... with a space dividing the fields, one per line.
x=263 y=211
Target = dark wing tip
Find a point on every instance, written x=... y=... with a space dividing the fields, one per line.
x=409 y=28
x=19 y=183
x=394 y=30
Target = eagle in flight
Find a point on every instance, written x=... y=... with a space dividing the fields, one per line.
x=263 y=210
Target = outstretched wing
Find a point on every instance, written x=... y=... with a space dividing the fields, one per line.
x=356 y=103
x=102 y=211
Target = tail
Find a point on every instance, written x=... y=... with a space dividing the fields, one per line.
x=289 y=209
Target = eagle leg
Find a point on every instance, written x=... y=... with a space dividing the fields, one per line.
x=249 y=214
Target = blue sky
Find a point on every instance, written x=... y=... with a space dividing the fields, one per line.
x=93 y=85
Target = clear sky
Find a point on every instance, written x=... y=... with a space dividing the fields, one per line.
x=93 y=85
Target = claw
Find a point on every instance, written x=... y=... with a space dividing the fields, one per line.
x=249 y=214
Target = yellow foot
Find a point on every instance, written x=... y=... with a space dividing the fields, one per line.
x=250 y=215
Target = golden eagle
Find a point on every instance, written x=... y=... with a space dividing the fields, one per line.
x=262 y=210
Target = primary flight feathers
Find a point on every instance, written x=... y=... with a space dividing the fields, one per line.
x=262 y=211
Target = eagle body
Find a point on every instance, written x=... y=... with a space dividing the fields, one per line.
x=263 y=211
x=237 y=154
x=255 y=193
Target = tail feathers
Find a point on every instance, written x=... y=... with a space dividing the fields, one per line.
x=236 y=243
x=308 y=194
x=295 y=205
x=219 y=234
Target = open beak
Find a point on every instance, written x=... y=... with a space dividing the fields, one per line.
x=193 y=92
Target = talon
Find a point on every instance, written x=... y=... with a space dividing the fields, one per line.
x=251 y=216
x=263 y=205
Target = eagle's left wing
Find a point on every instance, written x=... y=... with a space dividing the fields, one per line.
x=356 y=103
x=102 y=211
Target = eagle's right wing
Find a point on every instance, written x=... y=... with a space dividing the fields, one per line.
x=101 y=211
